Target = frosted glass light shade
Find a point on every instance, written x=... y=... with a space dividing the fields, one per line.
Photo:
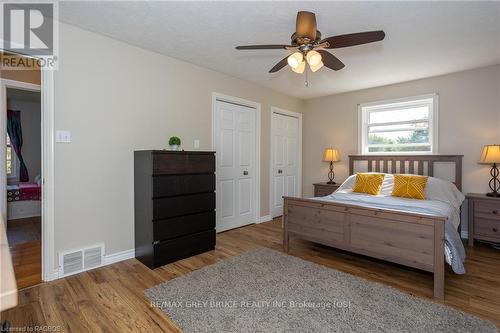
x=295 y=59
x=313 y=58
x=315 y=68
x=300 y=69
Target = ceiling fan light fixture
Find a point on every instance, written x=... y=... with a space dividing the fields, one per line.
x=315 y=68
x=307 y=47
x=295 y=60
x=313 y=58
x=300 y=68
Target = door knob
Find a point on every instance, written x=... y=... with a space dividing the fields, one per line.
x=280 y=171
x=245 y=173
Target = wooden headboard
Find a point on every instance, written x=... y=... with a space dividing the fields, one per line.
x=398 y=164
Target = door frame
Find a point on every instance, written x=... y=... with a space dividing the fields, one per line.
x=251 y=104
x=276 y=110
x=46 y=89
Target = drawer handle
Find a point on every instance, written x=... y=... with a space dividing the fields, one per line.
x=495 y=229
x=495 y=212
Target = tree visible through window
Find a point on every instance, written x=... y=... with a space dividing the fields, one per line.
x=403 y=126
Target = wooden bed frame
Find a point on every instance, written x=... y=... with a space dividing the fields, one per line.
x=411 y=239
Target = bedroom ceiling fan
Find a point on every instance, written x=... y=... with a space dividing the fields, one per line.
x=307 y=46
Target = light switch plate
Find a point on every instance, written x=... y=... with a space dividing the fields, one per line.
x=196 y=144
x=63 y=136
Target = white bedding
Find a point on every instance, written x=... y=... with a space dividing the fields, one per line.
x=442 y=199
x=436 y=189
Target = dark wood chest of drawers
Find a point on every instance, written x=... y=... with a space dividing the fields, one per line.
x=174 y=205
x=484 y=218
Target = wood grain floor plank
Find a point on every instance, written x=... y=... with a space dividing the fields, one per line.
x=111 y=298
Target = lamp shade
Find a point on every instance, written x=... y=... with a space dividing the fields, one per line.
x=300 y=69
x=315 y=68
x=490 y=155
x=295 y=59
x=331 y=155
x=313 y=58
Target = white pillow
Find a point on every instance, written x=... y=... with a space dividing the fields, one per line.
x=443 y=190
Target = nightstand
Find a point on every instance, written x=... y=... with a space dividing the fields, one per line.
x=322 y=189
x=484 y=218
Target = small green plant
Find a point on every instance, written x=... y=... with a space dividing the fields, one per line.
x=174 y=141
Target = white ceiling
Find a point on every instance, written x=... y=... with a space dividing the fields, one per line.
x=422 y=38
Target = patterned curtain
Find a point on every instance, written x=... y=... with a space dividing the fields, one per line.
x=16 y=139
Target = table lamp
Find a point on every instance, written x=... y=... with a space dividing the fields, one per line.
x=331 y=155
x=491 y=156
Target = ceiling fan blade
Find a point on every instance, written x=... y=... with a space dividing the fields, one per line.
x=279 y=65
x=331 y=61
x=263 y=47
x=336 y=42
x=306 y=25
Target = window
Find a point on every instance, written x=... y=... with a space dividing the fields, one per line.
x=402 y=126
x=12 y=162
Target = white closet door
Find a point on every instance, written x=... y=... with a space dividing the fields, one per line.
x=285 y=140
x=235 y=173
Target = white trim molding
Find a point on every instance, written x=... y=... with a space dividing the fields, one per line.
x=53 y=275
x=265 y=218
x=118 y=256
x=48 y=187
x=428 y=100
x=271 y=157
x=4 y=85
x=46 y=90
x=257 y=106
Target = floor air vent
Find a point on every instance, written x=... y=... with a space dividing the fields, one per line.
x=80 y=260
x=72 y=263
x=92 y=258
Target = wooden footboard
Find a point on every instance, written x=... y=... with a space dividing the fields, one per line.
x=414 y=240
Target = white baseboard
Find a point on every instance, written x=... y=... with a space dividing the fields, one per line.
x=265 y=218
x=118 y=256
x=54 y=275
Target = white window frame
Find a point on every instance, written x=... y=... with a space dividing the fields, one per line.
x=431 y=100
x=14 y=176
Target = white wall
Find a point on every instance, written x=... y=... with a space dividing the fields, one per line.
x=31 y=126
x=116 y=98
x=469 y=113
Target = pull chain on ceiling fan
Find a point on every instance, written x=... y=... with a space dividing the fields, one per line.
x=308 y=47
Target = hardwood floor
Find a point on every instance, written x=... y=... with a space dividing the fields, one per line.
x=110 y=299
x=25 y=247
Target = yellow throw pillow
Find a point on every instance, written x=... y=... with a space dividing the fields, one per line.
x=370 y=183
x=409 y=186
